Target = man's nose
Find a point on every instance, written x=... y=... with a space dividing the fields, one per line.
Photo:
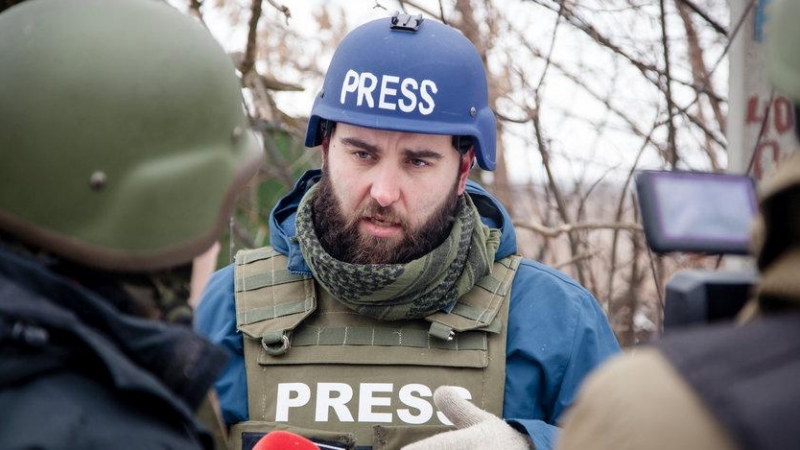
x=385 y=186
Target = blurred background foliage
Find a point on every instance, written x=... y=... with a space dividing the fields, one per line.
x=586 y=92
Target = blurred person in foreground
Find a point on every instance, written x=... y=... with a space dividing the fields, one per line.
x=729 y=386
x=390 y=274
x=123 y=143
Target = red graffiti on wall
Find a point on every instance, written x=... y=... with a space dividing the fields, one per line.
x=779 y=122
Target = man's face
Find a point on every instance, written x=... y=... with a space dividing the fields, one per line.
x=385 y=196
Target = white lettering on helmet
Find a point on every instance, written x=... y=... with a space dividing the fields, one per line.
x=374 y=402
x=366 y=88
x=425 y=89
x=285 y=399
x=407 y=87
x=326 y=401
x=349 y=85
x=386 y=90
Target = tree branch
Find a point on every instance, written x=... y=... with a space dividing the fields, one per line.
x=552 y=232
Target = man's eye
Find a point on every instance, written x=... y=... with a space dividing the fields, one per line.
x=419 y=162
x=362 y=155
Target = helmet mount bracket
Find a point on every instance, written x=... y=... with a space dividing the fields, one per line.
x=406 y=22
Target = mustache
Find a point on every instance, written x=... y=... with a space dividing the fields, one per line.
x=373 y=210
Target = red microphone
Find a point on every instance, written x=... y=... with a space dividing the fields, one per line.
x=284 y=440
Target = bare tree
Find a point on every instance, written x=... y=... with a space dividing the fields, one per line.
x=586 y=93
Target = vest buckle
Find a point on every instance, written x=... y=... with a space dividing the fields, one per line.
x=441 y=331
x=277 y=348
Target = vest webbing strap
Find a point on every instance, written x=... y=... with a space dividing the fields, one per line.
x=273 y=312
x=270 y=300
x=256 y=254
x=260 y=280
x=478 y=309
x=308 y=336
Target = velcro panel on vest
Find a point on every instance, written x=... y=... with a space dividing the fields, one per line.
x=378 y=346
x=478 y=309
x=269 y=317
x=389 y=337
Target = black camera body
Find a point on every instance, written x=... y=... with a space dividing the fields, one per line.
x=704 y=296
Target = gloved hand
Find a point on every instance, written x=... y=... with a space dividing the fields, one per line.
x=477 y=429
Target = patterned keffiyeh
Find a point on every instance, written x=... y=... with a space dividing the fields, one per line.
x=404 y=291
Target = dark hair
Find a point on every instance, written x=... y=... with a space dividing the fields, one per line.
x=463 y=143
x=460 y=143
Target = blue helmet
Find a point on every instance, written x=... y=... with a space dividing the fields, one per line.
x=408 y=74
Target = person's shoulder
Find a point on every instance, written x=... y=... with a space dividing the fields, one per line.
x=216 y=300
x=615 y=405
x=221 y=283
x=534 y=277
x=633 y=370
x=624 y=383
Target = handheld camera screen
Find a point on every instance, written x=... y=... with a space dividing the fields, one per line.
x=696 y=211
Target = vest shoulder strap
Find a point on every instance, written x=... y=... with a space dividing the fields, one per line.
x=270 y=300
x=477 y=310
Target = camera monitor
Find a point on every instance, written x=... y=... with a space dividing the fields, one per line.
x=699 y=212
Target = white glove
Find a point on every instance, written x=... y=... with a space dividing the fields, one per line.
x=477 y=429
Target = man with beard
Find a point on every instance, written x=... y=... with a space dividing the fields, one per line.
x=390 y=275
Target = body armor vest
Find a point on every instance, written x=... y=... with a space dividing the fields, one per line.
x=319 y=369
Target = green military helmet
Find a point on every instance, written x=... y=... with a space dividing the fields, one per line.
x=783 y=53
x=123 y=137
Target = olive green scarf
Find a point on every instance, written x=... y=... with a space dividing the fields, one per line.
x=404 y=291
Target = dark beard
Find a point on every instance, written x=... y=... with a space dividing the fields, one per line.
x=344 y=242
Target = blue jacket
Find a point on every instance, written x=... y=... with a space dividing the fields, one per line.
x=557 y=331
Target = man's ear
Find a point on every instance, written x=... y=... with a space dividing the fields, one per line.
x=467 y=162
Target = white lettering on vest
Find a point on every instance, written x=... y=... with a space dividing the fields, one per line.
x=423 y=406
x=286 y=400
x=414 y=95
x=325 y=401
x=367 y=400
x=374 y=402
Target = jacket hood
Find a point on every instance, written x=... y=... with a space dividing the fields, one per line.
x=282 y=221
